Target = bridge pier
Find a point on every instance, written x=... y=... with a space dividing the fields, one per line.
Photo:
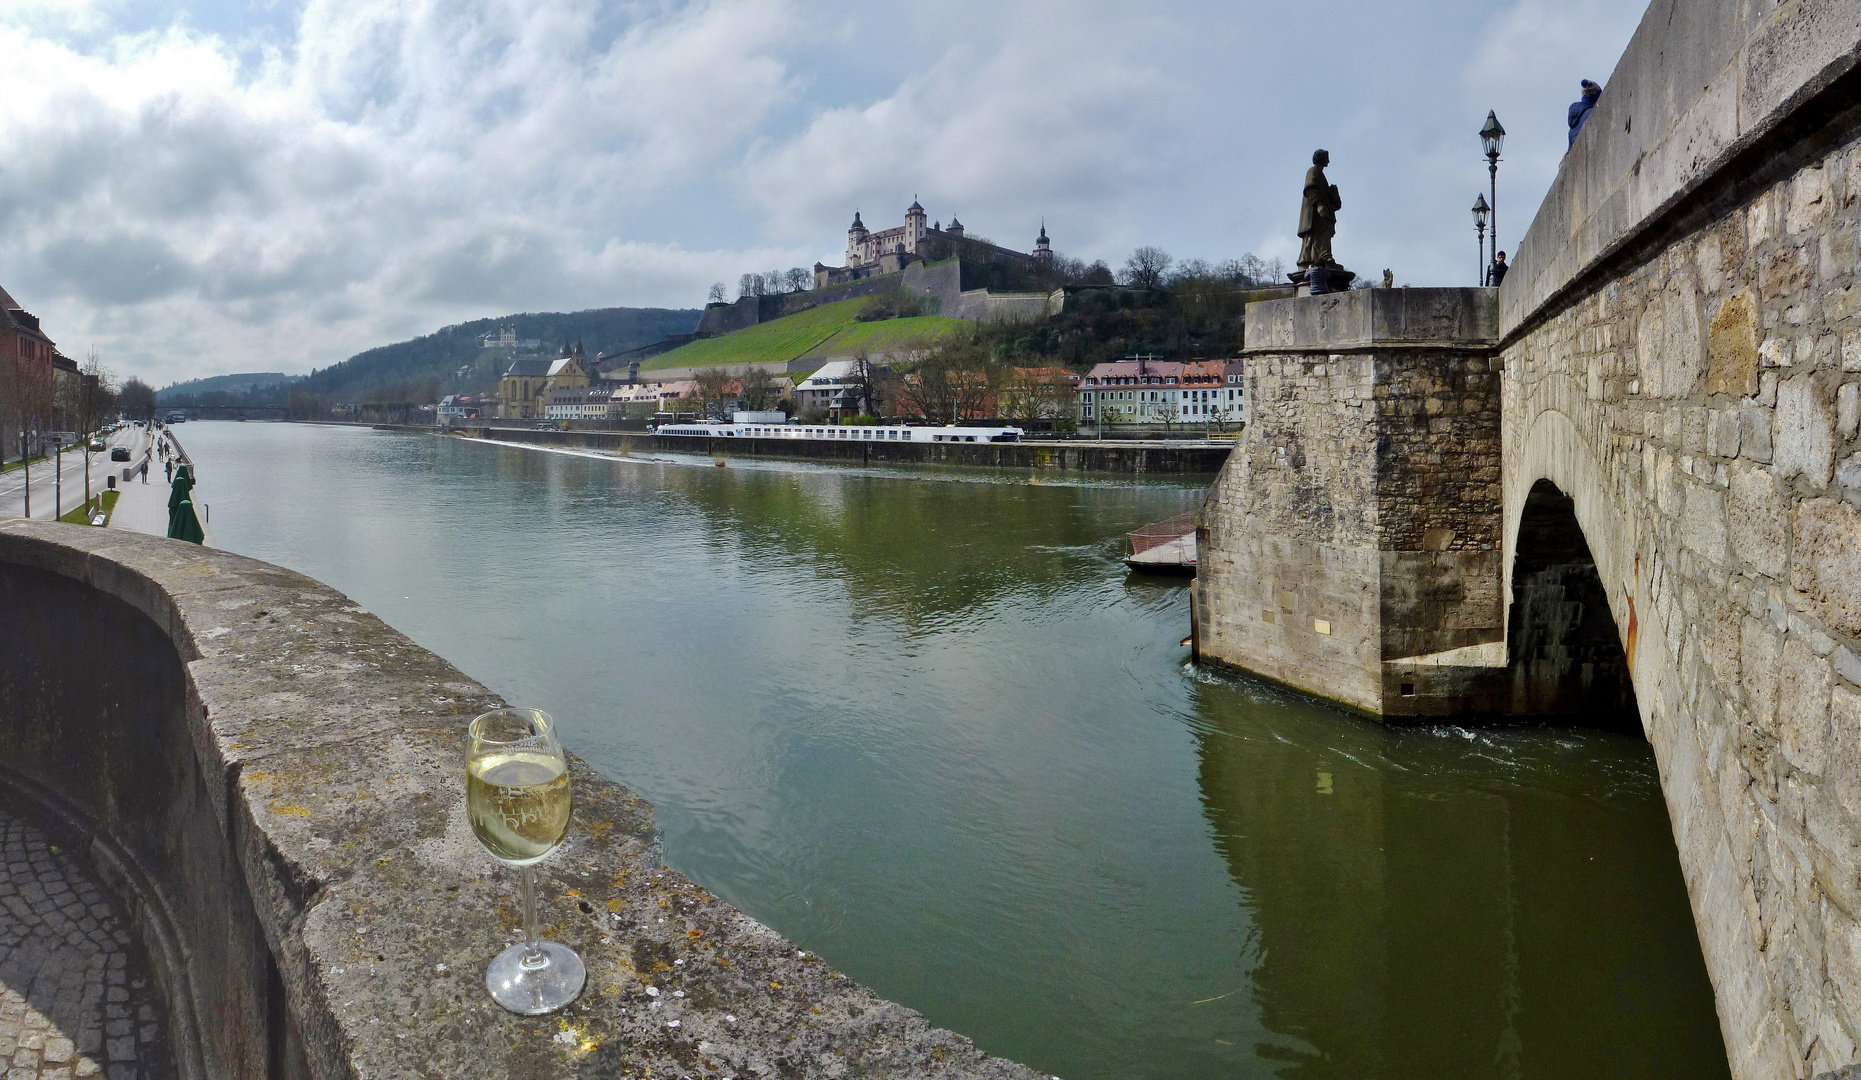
x=1351 y=546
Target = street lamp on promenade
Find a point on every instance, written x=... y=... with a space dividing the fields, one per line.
x=1492 y=140
x=1480 y=213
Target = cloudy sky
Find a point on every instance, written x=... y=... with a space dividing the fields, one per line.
x=237 y=185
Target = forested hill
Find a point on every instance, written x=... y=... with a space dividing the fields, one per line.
x=234 y=385
x=433 y=364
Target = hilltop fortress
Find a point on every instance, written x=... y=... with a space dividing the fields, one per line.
x=889 y=251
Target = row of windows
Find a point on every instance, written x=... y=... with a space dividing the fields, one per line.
x=1232 y=379
x=1152 y=395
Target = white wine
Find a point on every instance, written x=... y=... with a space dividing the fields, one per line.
x=518 y=801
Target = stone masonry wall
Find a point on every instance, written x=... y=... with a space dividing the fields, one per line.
x=1702 y=409
x=1287 y=538
x=1358 y=519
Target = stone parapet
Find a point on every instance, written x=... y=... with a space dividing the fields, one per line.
x=1375 y=318
x=273 y=781
x=1701 y=84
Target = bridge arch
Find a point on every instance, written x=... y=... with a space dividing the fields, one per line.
x=1567 y=542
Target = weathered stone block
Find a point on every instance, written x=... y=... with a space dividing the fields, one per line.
x=1732 y=348
x=1702 y=522
x=1803 y=437
x=1759 y=522
x=1844 y=758
x=1760 y=651
x=1669 y=342
x=1803 y=705
x=1848 y=410
x=1755 y=434
x=1825 y=561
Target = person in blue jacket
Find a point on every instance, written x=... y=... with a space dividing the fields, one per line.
x=1580 y=110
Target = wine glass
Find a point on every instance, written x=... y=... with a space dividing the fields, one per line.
x=517 y=794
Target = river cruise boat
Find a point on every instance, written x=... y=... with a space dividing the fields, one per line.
x=843 y=432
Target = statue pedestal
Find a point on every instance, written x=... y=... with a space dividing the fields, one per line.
x=1338 y=279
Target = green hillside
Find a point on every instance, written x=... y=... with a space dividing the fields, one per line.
x=889 y=334
x=816 y=332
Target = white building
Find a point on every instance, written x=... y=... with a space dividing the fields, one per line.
x=1142 y=391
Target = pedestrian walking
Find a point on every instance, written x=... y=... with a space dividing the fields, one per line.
x=1580 y=110
x=168 y=471
x=145 y=470
x=1496 y=273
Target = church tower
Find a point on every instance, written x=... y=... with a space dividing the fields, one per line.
x=856 y=242
x=1043 y=250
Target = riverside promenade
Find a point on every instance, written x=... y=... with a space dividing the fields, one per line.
x=143 y=507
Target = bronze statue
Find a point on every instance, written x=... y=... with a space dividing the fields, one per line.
x=1318 y=215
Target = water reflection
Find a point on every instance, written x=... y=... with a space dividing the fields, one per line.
x=1455 y=903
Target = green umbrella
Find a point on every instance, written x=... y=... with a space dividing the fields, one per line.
x=182 y=524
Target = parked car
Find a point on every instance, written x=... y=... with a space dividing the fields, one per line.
x=119 y=453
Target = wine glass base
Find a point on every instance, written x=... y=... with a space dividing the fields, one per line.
x=534 y=989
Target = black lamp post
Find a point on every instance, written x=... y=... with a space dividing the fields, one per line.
x=1492 y=140
x=1480 y=213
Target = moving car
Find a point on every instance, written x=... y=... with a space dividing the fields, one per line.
x=96 y=444
x=119 y=453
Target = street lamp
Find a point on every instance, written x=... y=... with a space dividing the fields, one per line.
x=1480 y=213
x=1492 y=140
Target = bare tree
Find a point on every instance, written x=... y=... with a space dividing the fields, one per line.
x=1147 y=267
x=772 y=283
x=953 y=381
x=713 y=385
x=798 y=280
x=138 y=399
x=719 y=294
x=749 y=285
x=1039 y=393
x=757 y=388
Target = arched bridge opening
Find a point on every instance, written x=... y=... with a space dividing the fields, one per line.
x=1565 y=659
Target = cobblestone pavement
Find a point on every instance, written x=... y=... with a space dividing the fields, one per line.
x=74 y=1001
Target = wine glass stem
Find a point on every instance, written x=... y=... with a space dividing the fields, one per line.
x=534 y=952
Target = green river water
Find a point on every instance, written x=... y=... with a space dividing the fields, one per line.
x=925 y=724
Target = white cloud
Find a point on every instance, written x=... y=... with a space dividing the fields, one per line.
x=194 y=197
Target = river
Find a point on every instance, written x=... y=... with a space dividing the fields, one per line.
x=923 y=723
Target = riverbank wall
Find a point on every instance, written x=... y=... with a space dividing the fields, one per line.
x=271 y=781
x=1137 y=458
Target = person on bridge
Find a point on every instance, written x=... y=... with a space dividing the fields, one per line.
x=1580 y=110
x=145 y=470
x=1496 y=273
x=167 y=469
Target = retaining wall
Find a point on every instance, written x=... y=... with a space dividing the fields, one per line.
x=1127 y=457
x=272 y=780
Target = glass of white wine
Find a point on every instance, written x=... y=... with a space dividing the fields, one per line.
x=517 y=794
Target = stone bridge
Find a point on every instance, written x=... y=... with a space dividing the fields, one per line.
x=1627 y=486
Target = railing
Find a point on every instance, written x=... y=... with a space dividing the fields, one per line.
x=1162 y=532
